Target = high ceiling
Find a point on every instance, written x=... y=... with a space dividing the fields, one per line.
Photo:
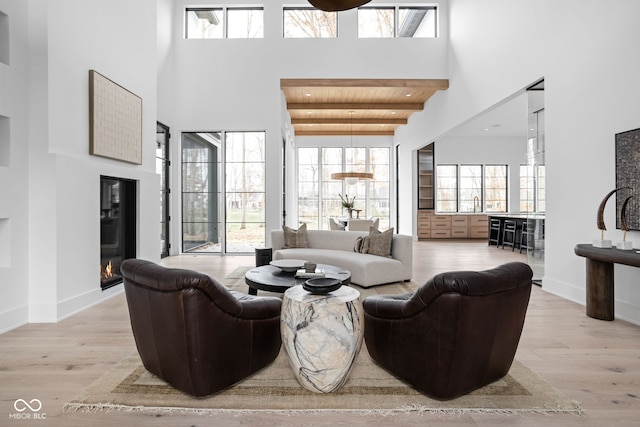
x=355 y=106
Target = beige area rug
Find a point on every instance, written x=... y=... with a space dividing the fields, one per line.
x=369 y=389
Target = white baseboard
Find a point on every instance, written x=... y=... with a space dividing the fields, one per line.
x=14 y=318
x=81 y=302
x=55 y=312
x=564 y=290
x=623 y=310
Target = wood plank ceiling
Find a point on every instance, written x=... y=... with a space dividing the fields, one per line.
x=355 y=106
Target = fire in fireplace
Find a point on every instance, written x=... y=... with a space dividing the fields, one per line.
x=117 y=227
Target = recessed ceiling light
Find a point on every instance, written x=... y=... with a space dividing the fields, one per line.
x=408 y=94
x=393 y=112
x=308 y=94
x=486 y=128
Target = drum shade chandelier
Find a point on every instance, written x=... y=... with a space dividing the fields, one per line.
x=351 y=177
x=337 y=5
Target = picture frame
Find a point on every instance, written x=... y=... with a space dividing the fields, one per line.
x=115 y=120
x=628 y=175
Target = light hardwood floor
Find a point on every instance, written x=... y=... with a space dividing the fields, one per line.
x=594 y=362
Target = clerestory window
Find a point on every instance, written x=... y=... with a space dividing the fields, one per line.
x=224 y=22
x=398 y=21
x=308 y=22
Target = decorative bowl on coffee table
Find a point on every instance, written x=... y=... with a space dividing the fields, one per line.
x=288 y=265
x=321 y=285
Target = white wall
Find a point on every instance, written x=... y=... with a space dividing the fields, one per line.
x=55 y=248
x=13 y=173
x=585 y=52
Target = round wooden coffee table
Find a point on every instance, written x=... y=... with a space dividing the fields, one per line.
x=272 y=279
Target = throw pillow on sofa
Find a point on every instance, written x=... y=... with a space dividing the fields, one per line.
x=295 y=238
x=380 y=242
x=362 y=245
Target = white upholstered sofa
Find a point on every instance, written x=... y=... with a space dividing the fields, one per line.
x=336 y=248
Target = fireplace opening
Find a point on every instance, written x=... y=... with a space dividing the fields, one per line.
x=117 y=227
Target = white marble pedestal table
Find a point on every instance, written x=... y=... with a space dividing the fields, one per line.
x=322 y=335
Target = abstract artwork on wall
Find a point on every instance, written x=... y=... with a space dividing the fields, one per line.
x=628 y=175
x=115 y=120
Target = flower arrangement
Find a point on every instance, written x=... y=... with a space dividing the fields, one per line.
x=346 y=202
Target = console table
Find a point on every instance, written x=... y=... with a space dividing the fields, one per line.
x=600 y=299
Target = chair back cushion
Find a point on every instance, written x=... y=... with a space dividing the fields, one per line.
x=193 y=332
x=458 y=332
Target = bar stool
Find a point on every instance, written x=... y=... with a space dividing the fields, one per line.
x=526 y=236
x=494 y=231
x=509 y=231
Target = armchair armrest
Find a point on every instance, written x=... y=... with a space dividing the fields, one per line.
x=387 y=306
x=257 y=307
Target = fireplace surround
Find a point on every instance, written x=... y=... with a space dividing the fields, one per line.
x=117 y=227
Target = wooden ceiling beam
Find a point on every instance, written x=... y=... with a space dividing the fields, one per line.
x=339 y=133
x=437 y=84
x=357 y=106
x=345 y=121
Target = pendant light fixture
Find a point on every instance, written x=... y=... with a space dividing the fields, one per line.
x=337 y=5
x=351 y=177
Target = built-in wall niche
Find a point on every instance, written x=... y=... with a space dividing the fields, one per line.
x=4 y=38
x=5 y=243
x=5 y=142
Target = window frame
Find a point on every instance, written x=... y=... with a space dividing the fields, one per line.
x=218 y=189
x=486 y=189
x=396 y=19
x=439 y=181
x=457 y=188
x=286 y=9
x=330 y=204
x=224 y=21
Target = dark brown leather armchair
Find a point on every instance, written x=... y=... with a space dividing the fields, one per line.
x=456 y=333
x=193 y=332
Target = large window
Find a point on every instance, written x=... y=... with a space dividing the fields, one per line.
x=495 y=188
x=527 y=192
x=540 y=189
x=319 y=195
x=223 y=203
x=218 y=23
x=532 y=188
x=308 y=192
x=447 y=188
x=245 y=190
x=471 y=188
x=398 y=21
x=201 y=214
x=308 y=22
